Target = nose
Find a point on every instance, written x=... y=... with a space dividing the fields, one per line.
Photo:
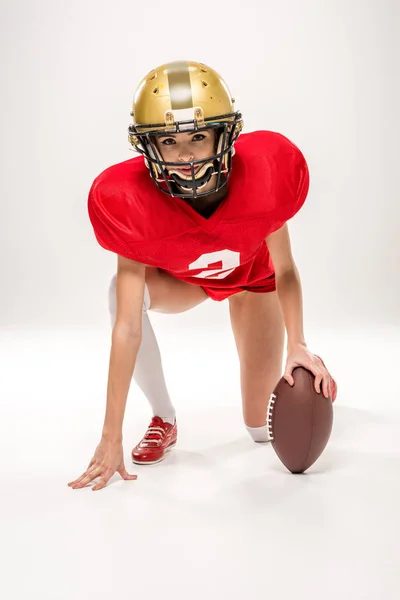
x=185 y=154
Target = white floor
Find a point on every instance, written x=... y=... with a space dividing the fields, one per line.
x=220 y=518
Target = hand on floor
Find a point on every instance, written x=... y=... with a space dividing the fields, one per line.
x=107 y=460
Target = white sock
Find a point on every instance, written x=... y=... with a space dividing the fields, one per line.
x=259 y=434
x=148 y=373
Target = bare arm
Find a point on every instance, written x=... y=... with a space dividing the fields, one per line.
x=126 y=340
x=288 y=285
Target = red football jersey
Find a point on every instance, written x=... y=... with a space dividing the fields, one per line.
x=224 y=253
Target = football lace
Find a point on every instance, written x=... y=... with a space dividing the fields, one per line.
x=270 y=410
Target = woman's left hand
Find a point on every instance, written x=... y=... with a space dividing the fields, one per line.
x=300 y=356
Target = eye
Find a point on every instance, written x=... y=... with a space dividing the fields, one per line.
x=168 y=142
x=199 y=137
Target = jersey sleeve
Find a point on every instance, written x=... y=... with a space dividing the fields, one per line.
x=293 y=183
x=107 y=220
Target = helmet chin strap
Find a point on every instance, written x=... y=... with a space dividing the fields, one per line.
x=186 y=182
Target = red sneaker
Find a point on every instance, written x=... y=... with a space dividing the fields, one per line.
x=159 y=438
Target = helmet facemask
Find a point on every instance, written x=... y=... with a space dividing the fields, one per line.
x=167 y=175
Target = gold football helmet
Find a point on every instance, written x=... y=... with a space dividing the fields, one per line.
x=180 y=97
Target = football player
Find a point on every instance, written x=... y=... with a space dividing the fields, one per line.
x=201 y=214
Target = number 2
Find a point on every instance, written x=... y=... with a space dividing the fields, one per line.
x=230 y=260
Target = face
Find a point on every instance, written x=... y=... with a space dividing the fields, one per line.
x=187 y=147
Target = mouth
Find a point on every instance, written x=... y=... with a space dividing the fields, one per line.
x=188 y=171
x=183 y=175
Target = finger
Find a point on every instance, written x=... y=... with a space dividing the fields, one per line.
x=88 y=470
x=79 y=479
x=125 y=475
x=317 y=375
x=101 y=484
x=92 y=462
x=288 y=376
x=71 y=483
x=334 y=390
x=326 y=384
x=323 y=364
x=104 y=479
x=333 y=386
x=318 y=379
x=84 y=482
x=88 y=478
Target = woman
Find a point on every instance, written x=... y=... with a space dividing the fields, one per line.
x=209 y=222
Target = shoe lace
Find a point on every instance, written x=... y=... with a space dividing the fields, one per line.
x=154 y=435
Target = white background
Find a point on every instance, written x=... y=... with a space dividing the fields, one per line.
x=220 y=518
x=323 y=73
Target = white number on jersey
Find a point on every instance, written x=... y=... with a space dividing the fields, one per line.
x=230 y=260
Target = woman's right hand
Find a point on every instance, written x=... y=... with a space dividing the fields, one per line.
x=107 y=460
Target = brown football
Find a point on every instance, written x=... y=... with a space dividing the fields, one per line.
x=299 y=420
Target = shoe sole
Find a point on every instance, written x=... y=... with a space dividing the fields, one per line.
x=153 y=462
